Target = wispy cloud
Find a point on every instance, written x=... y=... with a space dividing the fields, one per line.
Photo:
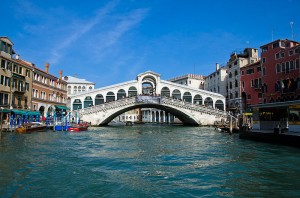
x=81 y=29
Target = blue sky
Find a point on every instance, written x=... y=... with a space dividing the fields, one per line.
x=109 y=42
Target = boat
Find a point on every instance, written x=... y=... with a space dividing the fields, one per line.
x=78 y=127
x=31 y=127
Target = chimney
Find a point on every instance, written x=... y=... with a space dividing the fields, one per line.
x=217 y=66
x=17 y=56
x=47 y=68
x=60 y=74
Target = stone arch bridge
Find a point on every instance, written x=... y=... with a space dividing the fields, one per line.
x=192 y=106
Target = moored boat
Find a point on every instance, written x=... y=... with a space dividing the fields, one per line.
x=78 y=127
x=31 y=127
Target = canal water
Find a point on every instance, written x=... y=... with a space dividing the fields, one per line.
x=145 y=161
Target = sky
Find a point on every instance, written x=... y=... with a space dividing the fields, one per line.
x=109 y=42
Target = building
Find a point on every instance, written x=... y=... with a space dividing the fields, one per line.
x=16 y=78
x=216 y=81
x=280 y=78
x=77 y=85
x=251 y=85
x=49 y=93
x=192 y=80
x=235 y=63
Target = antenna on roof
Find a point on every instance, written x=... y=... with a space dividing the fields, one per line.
x=291 y=24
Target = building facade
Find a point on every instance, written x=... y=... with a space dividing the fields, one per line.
x=251 y=85
x=235 y=63
x=216 y=81
x=77 y=85
x=191 y=80
x=49 y=93
x=16 y=78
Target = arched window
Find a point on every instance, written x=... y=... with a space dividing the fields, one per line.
x=88 y=102
x=77 y=104
x=90 y=88
x=69 y=89
x=219 y=105
x=208 y=102
x=83 y=88
x=79 y=89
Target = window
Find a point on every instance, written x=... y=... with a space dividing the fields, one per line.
x=235 y=72
x=275 y=45
x=291 y=52
x=236 y=94
x=264 y=71
x=258 y=69
x=259 y=95
x=291 y=65
x=250 y=71
x=27 y=73
x=264 y=49
x=277 y=56
x=243 y=84
x=287 y=67
x=20 y=70
x=263 y=60
x=278 y=67
x=252 y=83
x=15 y=68
x=249 y=96
x=69 y=89
x=2 y=63
x=243 y=72
x=235 y=62
x=236 y=83
x=2 y=80
x=282 y=54
x=283 y=67
x=297 y=63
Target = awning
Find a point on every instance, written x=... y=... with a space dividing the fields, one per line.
x=25 y=112
x=62 y=107
x=4 y=110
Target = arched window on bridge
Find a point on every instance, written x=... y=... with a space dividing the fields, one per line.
x=198 y=99
x=165 y=91
x=99 y=99
x=121 y=94
x=187 y=97
x=88 y=102
x=110 y=96
x=176 y=94
x=219 y=105
x=208 y=102
x=77 y=104
x=132 y=91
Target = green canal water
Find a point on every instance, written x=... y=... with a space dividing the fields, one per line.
x=145 y=161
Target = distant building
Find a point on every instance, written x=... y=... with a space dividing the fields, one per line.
x=49 y=93
x=78 y=85
x=235 y=63
x=191 y=80
x=216 y=81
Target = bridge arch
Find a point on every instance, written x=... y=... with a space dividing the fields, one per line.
x=220 y=105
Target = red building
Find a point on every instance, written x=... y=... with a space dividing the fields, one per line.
x=280 y=71
x=251 y=85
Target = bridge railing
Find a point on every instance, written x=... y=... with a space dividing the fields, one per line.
x=150 y=100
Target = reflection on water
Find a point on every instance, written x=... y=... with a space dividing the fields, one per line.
x=149 y=161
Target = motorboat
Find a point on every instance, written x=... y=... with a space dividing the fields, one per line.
x=78 y=127
x=31 y=127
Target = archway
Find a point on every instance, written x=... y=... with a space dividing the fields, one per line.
x=165 y=92
x=88 y=101
x=77 y=104
x=187 y=97
x=121 y=94
x=99 y=99
x=132 y=91
x=219 y=105
x=148 y=85
x=208 y=102
x=42 y=110
x=110 y=96
x=198 y=99
x=176 y=94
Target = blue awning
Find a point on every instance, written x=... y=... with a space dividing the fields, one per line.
x=25 y=112
x=62 y=107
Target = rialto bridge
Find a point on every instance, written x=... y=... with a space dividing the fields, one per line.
x=192 y=106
